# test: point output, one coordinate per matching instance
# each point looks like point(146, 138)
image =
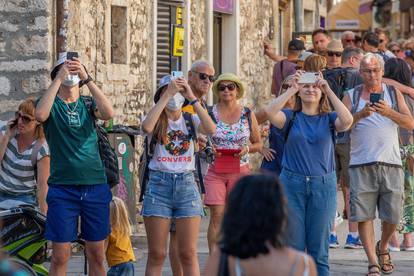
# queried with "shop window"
point(119, 21)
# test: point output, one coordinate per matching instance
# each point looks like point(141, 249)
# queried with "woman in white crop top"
point(171, 192)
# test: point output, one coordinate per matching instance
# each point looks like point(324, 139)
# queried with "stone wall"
point(25, 51)
point(198, 30)
point(127, 85)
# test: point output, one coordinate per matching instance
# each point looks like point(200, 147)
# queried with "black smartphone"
point(375, 98)
point(71, 55)
point(13, 123)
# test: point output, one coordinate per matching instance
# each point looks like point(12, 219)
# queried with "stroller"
point(22, 237)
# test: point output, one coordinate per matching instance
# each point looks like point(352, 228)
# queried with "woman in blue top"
point(308, 167)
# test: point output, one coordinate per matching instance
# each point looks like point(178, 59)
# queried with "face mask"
point(176, 102)
point(71, 80)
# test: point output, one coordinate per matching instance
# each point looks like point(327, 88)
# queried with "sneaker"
point(338, 219)
point(353, 243)
point(333, 241)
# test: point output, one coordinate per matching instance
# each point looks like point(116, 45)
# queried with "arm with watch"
point(104, 109)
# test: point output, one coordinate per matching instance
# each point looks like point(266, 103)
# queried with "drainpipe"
point(62, 16)
point(298, 15)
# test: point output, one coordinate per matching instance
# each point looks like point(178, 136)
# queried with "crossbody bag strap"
point(290, 124)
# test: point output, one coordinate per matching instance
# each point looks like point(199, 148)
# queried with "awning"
point(345, 16)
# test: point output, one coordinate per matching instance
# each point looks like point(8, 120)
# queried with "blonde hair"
point(118, 216)
point(28, 106)
point(314, 63)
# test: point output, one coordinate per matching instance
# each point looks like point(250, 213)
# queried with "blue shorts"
point(172, 195)
point(26, 198)
point(67, 202)
point(124, 269)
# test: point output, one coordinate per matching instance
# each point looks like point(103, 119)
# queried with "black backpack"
point(106, 151)
point(149, 146)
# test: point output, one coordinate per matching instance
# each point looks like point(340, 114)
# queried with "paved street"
point(343, 261)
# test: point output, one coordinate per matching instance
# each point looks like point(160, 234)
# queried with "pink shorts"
point(219, 185)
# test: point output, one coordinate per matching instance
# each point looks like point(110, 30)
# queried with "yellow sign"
point(178, 39)
point(179, 16)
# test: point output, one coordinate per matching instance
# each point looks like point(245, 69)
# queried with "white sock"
point(354, 234)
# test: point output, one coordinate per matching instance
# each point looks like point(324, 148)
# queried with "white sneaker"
point(393, 249)
point(338, 219)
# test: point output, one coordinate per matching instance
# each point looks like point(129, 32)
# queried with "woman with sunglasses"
point(236, 136)
point(24, 156)
point(308, 173)
point(172, 192)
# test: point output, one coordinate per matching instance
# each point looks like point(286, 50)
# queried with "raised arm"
point(344, 120)
point(104, 107)
point(46, 101)
point(403, 88)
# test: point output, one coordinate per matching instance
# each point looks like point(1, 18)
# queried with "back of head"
point(350, 52)
point(314, 63)
point(118, 216)
point(255, 217)
point(371, 39)
point(398, 70)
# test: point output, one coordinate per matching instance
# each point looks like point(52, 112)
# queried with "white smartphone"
point(176, 74)
point(308, 78)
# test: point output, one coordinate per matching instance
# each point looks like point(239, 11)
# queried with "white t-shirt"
point(177, 155)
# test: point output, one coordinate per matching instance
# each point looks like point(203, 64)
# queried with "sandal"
point(388, 262)
point(376, 272)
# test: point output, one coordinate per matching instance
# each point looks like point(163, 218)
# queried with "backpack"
point(149, 147)
point(341, 80)
point(35, 151)
point(106, 151)
point(356, 96)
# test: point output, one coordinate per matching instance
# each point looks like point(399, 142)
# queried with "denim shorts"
point(26, 198)
point(124, 269)
point(66, 203)
point(172, 195)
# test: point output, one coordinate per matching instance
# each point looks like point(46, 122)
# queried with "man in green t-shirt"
point(77, 182)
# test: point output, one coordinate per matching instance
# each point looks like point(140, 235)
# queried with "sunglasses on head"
point(204, 76)
point(25, 118)
point(337, 54)
point(230, 87)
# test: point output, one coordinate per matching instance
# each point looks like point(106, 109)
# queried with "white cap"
point(62, 58)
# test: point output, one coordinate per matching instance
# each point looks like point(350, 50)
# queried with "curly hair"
point(255, 217)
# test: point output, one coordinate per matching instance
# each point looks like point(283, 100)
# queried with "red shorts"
point(219, 185)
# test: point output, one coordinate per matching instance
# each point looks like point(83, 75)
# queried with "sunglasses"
point(369, 71)
point(381, 40)
point(230, 87)
point(25, 118)
point(349, 40)
point(337, 54)
point(204, 76)
point(285, 86)
point(395, 51)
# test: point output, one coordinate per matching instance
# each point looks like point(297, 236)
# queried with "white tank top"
point(374, 138)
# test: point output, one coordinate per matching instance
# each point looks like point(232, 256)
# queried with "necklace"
point(72, 111)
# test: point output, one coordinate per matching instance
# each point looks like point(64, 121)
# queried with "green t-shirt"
point(73, 144)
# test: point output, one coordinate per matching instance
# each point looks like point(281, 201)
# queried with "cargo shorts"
point(376, 186)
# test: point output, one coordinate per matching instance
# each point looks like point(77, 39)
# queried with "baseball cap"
point(296, 45)
point(164, 81)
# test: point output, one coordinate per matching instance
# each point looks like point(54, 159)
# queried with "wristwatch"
point(85, 82)
point(193, 102)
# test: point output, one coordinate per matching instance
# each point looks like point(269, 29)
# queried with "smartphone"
point(308, 78)
point(375, 97)
point(71, 55)
point(13, 123)
point(177, 74)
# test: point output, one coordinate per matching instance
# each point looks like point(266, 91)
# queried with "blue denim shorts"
point(172, 195)
point(66, 203)
point(124, 269)
point(26, 198)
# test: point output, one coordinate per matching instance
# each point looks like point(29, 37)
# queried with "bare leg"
point(95, 251)
point(60, 258)
point(367, 235)
point(187, 236)
point(388, 230)
point(216, 215)
point(157, 234)
point(176, 267)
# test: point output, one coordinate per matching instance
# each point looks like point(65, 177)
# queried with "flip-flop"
point(388, 262)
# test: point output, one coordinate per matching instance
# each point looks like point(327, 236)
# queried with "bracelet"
point(193, 102)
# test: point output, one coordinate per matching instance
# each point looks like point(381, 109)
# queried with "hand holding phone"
point(71, 55)
point(308, 78)
point(176, 74)
point(375, 98)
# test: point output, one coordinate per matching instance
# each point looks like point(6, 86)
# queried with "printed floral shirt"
point(232, 136)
